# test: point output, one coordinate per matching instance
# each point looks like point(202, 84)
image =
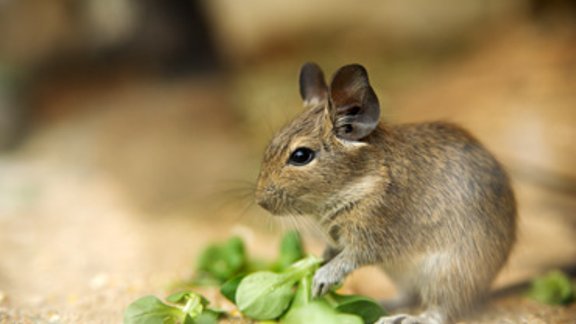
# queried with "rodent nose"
point(263, 203)
point(263, 197)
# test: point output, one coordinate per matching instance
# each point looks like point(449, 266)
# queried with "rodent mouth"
point(271, 205)
point(278, 202)
point(282, 207)
point(271, 199)
point(267, 205)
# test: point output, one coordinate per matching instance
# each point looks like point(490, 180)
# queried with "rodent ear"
point(313, 88)
point(354, 108)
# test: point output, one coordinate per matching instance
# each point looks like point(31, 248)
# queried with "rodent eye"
point(301, 156)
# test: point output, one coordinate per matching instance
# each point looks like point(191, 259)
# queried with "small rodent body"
point(427, 202)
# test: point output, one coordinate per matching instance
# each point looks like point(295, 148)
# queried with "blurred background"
point(131, 131)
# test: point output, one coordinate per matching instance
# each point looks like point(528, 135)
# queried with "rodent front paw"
point(324, 280)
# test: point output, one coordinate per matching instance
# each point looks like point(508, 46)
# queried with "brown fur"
point(438, 212)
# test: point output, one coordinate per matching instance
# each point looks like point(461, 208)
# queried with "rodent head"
point(311, 162)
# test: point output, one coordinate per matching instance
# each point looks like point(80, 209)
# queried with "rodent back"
point(443, 186)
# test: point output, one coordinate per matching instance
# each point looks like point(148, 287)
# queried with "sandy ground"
point(115, 200)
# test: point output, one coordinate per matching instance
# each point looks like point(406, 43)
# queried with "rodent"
point(425, 201)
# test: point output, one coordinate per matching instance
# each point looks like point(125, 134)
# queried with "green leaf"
point(257, 265)
point(368, 309)
point(229, 288)
point(222, 261)
point(208, 317)
point(303, 292)
point(291, 250)
point(179, 297)
point(192, 304)
point(150, 310)
point(318, 312)
point(235, 253)
point(553, 288)
point(264, 295)
point(182, 298)
point(267, 295)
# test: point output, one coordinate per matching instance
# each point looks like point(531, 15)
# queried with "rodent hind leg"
point(402, 300)
point(451, 286)
point(407, 291)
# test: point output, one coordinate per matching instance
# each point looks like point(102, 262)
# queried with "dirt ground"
point(114, 199)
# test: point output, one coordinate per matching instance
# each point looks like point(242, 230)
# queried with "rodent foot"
point(407, 319)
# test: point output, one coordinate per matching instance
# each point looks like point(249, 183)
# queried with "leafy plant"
point(150, 309)
point(220, 262)
point(187, 308)
point(266, 295)
point(228, 289)
point(553, 288)
point(281, 290)
point(332, 308)
point(303, 294)
point(319, 312)
point(291, 250)
point(366, 308)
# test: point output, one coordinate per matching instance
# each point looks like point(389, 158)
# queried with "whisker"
point(236, 192)
point(231, 192)
point(315, 229)
point(243, 211)
point(294, 223)
point(271, 224)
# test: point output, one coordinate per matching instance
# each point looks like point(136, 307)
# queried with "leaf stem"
point(303, 266)
point(330, 300)
point(190, 304)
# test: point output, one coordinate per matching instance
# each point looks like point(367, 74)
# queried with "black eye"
point(301, 156)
